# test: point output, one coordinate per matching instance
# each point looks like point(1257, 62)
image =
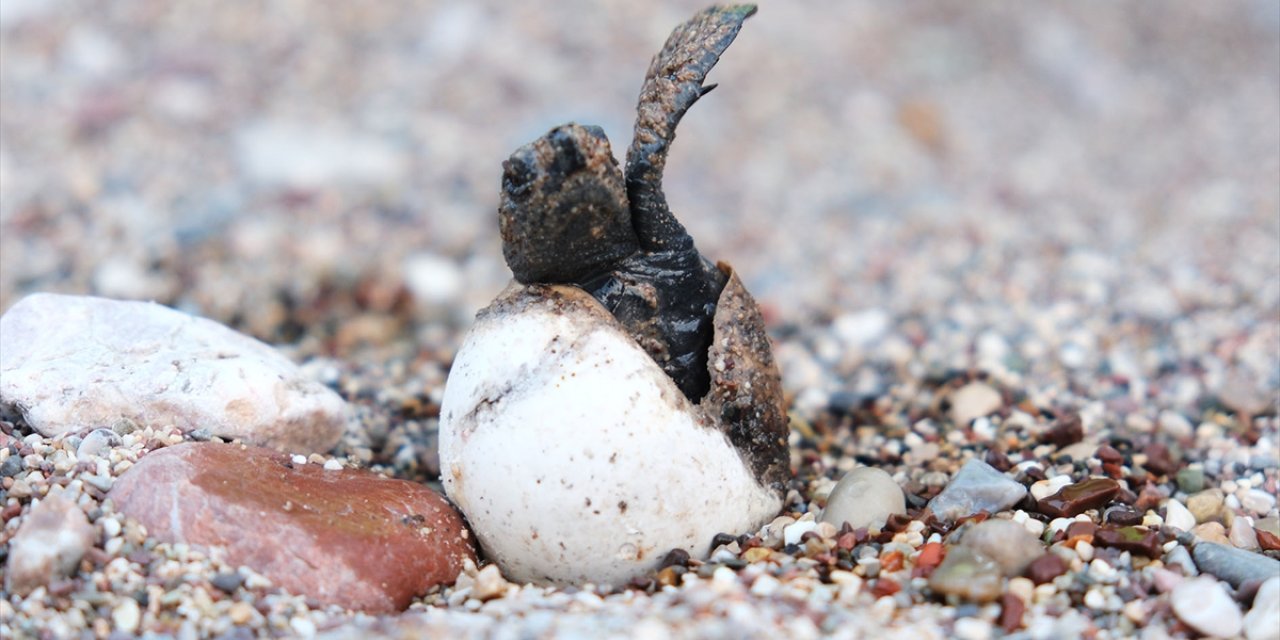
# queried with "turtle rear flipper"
point(671, 86)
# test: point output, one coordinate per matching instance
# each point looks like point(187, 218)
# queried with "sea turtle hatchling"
point(619, 399)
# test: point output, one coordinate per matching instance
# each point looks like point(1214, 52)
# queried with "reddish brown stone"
point(1068, 430)
point(1136, 540)
point(1077, 498)
point(1267, 540)
point(1045, 568)
point(1159, 460)
point(1149, 498)
point(343, 537)
point(885, 587)
point(1108, 455)
point(1011, 609)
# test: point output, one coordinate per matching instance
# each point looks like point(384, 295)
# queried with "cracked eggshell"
point(576, 458)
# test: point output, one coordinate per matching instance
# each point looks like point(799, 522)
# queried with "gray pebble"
point(976, 487)
point(1236, 566)
point(97, 443)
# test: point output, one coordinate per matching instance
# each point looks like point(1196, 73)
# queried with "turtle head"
point(563, 214)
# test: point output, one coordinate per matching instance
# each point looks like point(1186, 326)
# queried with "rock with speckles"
point(346, 537)
point(72, 362)
point(48, 545)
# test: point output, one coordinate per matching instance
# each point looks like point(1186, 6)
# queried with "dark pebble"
point(1068, 430)
point(1159, 460)
point(1236, 566)
point(1135, 540)
point(1077, 498)
point(227, 582)
point(1081, 530)
point(1045, 568)
point(1122, 515)
point(998, 460)
point(1108, 455)
point(675, 557)
point(11, 466)
point(1267, 540)
point(1149, 498)
point(721, 539)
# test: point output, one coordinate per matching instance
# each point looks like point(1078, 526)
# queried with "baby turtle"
point(569, 215)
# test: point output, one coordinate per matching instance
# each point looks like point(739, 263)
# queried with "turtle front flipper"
point(672, 84)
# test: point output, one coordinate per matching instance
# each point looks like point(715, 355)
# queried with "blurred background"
point(329, 171)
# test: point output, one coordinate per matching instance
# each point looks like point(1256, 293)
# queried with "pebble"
point(1263, 620)
point(73, 361)
point(1077, 498)
point(974, 400)
point(279, 519)
point(1211, 532)
point(1177, 516)
point(864, 497)
point(1258, 501)
point(49, 544)
point(967, 575)
point(1005, 542)
point(1135, 540)
point(793, 532)
point(1204, 605)
point(97, 443)
point(1190, 480)
point(1045, 568)
point(977, 486)
point(1206, 505)
point(1235, 566)
point(126, 616)
point(1242, 535)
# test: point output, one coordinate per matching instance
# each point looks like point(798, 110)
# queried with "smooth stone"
point(1077, 498)
point(1005, 542)
point(1204, 605)
point(70, 362)
point(1135, 540)
point(1257, 501)
point(1236, 566)
point(49, 544)
point(97, 444)
point(1177, 516)
point(345, 537)
point(1263, 620)
point(1181, 558)
point(972, 401)
point(967, 575)
point(1211, 532)
point(1190, 480)
point(864, 497)
point(1206, 505)
point(977, 486)
point(1242, 535)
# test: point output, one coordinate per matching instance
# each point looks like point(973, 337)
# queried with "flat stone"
point(68, 363)
point(48, 545)
point(1045, 568)
point(1135, 540)
point(972, 401)
point(1005, 542)
point(1205, 606)
point(864, 497)
point(346, 537)
point(967, 575)
point(1263, 620)
point(1077, 498)
point(1236, 566)
point(977, 486)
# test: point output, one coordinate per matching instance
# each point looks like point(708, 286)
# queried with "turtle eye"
point(518, 174)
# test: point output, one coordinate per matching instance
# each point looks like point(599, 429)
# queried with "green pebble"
point(1191, 480)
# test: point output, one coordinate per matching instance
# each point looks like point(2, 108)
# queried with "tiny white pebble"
point(972, 629)
point(1084, 550)
point(298, 459)
point(303, 626)
point(332, 465)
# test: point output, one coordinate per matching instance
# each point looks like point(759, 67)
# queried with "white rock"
point(1177, 516)
point(297, 155)
point(575, 457)
point(1205, 606)
point(48, 545)
point(1242, 534)
point(1257, 501)
point(795, 531)
point(863, 328)
point(1263, 620)
point(70, 362)
point(974, 400)
point(126, 616)
point(864, 497)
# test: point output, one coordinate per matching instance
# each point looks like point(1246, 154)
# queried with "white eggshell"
point(573, 455)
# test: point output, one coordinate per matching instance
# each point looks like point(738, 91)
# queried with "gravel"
point(1072, 205)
